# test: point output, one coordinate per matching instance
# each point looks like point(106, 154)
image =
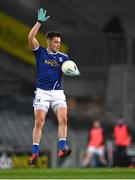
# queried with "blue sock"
point(35, 149)
point(62, 143)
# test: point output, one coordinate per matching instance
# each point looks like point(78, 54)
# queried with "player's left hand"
point(42, 15)
point(72, 73)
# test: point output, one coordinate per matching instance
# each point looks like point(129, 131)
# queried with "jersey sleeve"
point(65, 58)
point(37, 52)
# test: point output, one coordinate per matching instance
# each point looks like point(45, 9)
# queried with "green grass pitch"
point(69, 173)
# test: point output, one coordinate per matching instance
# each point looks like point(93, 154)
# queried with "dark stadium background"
point(100, 37)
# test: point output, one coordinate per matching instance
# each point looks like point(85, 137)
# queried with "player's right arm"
point(33, 42)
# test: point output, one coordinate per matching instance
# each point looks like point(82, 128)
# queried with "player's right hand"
point(42, 15)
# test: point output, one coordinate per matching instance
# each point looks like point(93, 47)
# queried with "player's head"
point(96, 124)
point(53, 41)
point(120, 120)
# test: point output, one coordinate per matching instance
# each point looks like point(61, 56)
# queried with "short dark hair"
point(52, 34)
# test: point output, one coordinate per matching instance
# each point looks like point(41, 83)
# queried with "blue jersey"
point(49, 74)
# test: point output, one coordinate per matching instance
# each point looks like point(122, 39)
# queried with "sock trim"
point(36, 144)
point(62, 139)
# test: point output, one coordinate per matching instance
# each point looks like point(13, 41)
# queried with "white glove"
point(71, 72)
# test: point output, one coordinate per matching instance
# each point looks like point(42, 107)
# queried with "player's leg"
point(39, 123)
point(64, 149)
point(59, 107)
point(89, 155)
point(102, 160)
point(87, 159)
point(37, 133)
point(41, 105)
point(100, 152)
point(61, 115)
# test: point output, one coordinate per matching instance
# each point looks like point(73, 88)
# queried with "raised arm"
point(33, 42)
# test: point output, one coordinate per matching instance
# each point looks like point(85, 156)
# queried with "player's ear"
point(48, 42)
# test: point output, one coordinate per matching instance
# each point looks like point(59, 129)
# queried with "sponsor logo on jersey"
point(52, 62)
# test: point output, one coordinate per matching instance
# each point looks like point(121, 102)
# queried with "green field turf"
point(75, 173)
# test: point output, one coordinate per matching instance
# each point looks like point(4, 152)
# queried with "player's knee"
point(63, 120)
point(39, 122)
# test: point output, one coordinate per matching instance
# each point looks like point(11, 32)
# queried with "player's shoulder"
point(62, 54)
point(43, 48)
point(39, 48)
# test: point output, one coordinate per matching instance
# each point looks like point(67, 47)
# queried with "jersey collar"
point(51, 52)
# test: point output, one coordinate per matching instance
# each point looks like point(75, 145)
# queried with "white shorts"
point(44, 98)
point(99, 151)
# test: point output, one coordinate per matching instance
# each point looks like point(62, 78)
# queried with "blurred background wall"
point(100, 37)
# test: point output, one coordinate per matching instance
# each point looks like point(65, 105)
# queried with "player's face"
point(96, 124)
point(54, 44)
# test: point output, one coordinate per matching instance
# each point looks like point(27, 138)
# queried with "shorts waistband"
point(52, 90)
